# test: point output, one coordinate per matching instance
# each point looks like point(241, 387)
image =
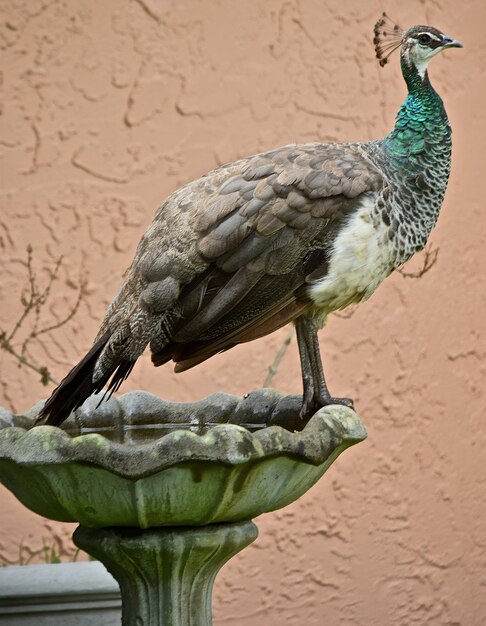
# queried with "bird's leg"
point(316, 394)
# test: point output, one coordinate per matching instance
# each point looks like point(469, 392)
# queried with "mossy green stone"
point(227, 474)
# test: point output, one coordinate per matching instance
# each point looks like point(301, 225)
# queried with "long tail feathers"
point(78, 385)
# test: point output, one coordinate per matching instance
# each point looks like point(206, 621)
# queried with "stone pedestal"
point(164, 491)
point(166, 575)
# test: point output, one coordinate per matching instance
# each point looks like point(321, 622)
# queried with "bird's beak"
point(448, 42)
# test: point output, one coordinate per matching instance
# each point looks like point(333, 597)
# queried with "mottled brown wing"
point(258, 229)
point(225, 260)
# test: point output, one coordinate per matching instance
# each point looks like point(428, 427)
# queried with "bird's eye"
point(425, 39)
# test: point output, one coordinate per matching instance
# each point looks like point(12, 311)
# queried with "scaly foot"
point(312, 405)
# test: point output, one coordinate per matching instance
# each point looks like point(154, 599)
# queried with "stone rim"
point(228, 444)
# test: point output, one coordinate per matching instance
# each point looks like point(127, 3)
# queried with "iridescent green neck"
point(421, 116)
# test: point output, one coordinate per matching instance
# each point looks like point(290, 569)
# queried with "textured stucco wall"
point(109, 106)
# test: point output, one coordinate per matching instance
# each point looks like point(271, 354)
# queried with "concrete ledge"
point(71, 594)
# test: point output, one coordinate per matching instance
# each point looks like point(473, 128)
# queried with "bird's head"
point(417, 44)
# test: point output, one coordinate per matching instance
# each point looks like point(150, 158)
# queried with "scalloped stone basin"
point(142, 462)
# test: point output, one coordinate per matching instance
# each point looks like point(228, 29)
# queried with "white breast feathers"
point(360, 260)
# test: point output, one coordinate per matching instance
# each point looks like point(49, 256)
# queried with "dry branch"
point(273, 369)
point(430, 259)
point(33, 301)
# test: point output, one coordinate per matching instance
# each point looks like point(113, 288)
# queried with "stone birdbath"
point(164, 493)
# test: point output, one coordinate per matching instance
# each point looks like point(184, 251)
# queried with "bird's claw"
point(309, 408)
point(343, 401)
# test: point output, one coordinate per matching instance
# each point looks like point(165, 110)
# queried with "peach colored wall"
point(107, 107)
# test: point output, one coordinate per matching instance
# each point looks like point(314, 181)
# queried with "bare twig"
point(64, 320)
point(26, 303)
point(273, 369)
point(430, 259)
point(33, 303)
point(46, 377)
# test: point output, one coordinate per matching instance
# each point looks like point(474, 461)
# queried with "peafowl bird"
point(289, 235)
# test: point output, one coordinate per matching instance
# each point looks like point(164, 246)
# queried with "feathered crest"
point(388, 37)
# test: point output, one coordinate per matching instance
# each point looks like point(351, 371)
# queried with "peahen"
point(287, 235)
